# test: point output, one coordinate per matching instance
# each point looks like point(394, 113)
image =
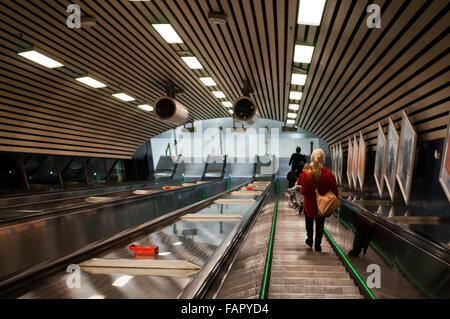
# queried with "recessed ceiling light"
point(231, 111)
point(294, 95)
point(294, 107)
point(219, 94)
point(168, 33)
point(122, 281)
point(290, 122)
point(146, 107)
point(310, 12)
point(41, 59)
point(292, 115)
point(208, 81)
point(298, 79)
point(303, 53)
point(124, 97)
point(192, 62)
point(91, 82)
point(227, 104)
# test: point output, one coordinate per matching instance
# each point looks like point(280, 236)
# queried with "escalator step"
point(309, 296)
point(313, 290)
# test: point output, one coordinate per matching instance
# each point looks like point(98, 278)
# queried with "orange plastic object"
point(249, 188)
point(144, 250)
point(167, 187)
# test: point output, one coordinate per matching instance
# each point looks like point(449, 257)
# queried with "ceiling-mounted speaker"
point(170, 110)
point(245, 110)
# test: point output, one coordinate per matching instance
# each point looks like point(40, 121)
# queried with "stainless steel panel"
point(31, 246)
point(195, 242)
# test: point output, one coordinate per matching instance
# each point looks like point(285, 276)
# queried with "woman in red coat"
point(322, 179)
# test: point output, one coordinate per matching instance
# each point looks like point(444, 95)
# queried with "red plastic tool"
point(144, 250)
point(249, 188)
point(167, 187)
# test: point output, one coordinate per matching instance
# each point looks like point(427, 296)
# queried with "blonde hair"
point(307, 167)
point(317, 160)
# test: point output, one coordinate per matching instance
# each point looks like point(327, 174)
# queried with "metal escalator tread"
point(298, 272)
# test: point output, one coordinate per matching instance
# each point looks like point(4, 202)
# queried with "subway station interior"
point(145, 149)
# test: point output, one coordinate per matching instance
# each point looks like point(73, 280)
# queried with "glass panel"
point(115, 172)
point(95, 170)
point(71, 171)
point(41, 171)
point(11, 177)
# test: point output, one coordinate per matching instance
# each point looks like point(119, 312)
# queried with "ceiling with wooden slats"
point(357, 77)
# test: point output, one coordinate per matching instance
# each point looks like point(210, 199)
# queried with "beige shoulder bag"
point(327, 204)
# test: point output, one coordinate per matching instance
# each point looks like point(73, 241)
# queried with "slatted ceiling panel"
point(417, 82)
point(358, 76)
point(394, 68)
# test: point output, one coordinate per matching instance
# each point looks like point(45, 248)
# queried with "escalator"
point(199, 234)
point(363, 256)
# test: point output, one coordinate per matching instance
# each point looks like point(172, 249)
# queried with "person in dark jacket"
point(322, 179)
point(292, 177)
point(296, 160)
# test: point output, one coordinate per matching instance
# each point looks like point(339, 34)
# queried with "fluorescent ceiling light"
point(290, 122)
point(146, 107)
point(168, 33)
point(294, 95)
point(303, 53)
point(310, 12)
point(122, 281)
point(292, 115)
point(192, 62)
point(219, 94)
point(208, 81)
point(91, 82)
point(231, 111)
point(124, 97)
point(41, 59)
point(294, 107)
point(298, 79)
point(227, 104)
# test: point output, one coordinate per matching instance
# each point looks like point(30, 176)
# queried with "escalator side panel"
point(31, 246)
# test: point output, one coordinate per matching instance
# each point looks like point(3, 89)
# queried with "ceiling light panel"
point(227, 104)
point(168, 33)
point(290, 122)
point(310, 12)
point(192, 62)
point(292, 115)
point(208, 81)
point(294, 107)
point(146, 107)
point(303, 53)
point(91, 82)
point(124, 97)
point(219, 94)
point(298, 79)
point(41, 59)
point(294, 95)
